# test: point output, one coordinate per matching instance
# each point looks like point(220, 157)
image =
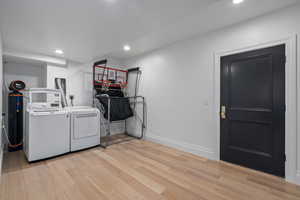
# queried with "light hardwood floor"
point(137, 170)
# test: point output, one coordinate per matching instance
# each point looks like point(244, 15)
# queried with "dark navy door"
point(253, 109)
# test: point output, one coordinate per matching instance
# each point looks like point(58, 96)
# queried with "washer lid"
point(82, 109)
point(45, 113)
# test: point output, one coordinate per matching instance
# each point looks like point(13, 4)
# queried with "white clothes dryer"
point(84, 127)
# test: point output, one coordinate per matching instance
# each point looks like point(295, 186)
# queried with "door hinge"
point(284, 157)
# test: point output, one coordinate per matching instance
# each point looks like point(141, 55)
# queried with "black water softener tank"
point(15, 115)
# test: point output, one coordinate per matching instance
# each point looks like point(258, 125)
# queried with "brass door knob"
point(223, 112)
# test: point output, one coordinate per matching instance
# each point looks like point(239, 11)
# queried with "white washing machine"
point(47, 126)
point(47, 134)
point(85, 127)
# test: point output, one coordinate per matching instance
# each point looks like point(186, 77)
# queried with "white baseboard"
point(1, 159)
point(187, 147)
point(298, 177)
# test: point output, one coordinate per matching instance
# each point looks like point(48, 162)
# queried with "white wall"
point(80, 83)
point(77, 81)
point(177, 81)
point(54, 71)
point(1, 74)
point(31, 73)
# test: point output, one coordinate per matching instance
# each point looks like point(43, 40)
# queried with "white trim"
point(187, 147)
point(1, 148)
point(291, 98)
point(298, 177)
point(1, 161)
point(35, 57)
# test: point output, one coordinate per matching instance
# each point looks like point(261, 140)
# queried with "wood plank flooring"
point(137, 170)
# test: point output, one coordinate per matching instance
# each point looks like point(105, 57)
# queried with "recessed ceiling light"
point(127, 48)
point(59, 51)
point(237, 1)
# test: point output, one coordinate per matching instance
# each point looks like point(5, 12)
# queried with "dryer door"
point(85, 125)
point(85, 128)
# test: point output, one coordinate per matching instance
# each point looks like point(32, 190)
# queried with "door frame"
point(290, 96)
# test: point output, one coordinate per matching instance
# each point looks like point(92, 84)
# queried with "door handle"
point(223, 112)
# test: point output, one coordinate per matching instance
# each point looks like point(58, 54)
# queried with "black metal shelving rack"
point(134, 101)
